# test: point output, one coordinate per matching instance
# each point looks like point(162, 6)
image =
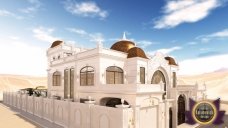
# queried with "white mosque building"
point(147, 84)
point(117, 87)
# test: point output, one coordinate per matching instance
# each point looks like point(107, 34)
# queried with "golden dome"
point(136, 52)
point(123, 45)
point(56, 43)
point(171, 61)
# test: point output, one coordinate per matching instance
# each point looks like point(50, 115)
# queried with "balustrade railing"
point(67, 113)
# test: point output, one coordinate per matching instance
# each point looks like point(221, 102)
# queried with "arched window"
point(114, 75)
point(56, 78)
point(87, 76)
point(157, 78)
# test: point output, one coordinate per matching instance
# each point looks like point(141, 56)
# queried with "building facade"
point(147, 84)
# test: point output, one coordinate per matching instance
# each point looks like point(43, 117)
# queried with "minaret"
point(99, 44)
point(124, 36)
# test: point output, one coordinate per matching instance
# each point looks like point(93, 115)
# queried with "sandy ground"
point(1, 96)
point(224, 107)
point(216, 83)
point(15, 82)
point(11, 119)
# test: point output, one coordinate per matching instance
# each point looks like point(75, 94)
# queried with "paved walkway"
point(12, 119)
point(187, 126)
point(224, 125)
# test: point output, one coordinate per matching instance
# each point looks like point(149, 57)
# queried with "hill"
point(217, 83)
point(15, 82)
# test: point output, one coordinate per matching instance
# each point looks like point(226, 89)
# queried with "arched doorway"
point(181, 109)
point(158, 77)
point(112, 102)
point(170, 118)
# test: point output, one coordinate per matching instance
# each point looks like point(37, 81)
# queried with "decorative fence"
point(70, 114)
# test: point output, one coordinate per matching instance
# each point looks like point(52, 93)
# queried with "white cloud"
point(177, 12)
point(5, 13)
point(217, 35)
point(9, 14)
point(20, 58)
point(192, 43)
point(34, 6)
point(77, 31)
point(93, 37)
point(203, 65)
point(169, 50)
point(14, 37)
point(85, 9)
point(44, 34)
point(205, 49)
point(96, 37)
point(220, 34)
point(164, 50)
point(145, 43)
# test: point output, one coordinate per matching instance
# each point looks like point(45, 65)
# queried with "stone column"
point(136, 115)
point(175, 114)
point(42, 107)
point(52, 108)
point(69, 113)
point(166, 114)
point(159, 115)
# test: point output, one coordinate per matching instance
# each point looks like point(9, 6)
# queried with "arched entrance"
point(111, 102)
point(181, 109)
point(170, 117)
point(158, 77)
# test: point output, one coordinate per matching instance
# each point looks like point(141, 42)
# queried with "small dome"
point(123, 45)
point(56, 43)
point(171, 61)
point(136, 52)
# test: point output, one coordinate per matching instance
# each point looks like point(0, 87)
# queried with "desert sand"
point(15, 82)
point(216, 83)
point(12, 119)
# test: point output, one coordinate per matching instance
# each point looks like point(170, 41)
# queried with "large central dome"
point(56, 43)
point(123, 45)
point(128, 47)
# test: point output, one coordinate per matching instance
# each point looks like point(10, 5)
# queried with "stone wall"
point(70, 114)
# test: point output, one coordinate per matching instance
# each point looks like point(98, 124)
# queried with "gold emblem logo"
point(204, 112)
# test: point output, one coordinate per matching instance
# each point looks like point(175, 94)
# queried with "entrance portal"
point(170, 118)
point(181, 109)
point(158, 77)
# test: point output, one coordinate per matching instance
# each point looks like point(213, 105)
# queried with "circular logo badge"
point(204, 112)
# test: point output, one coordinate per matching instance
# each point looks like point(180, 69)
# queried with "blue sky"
point(195, 32)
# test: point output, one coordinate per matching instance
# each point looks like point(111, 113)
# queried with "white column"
point(69, 113)
point(136, 116)
point(175, 114)
point(159, 115)
point(68, 84)
point(166, 114)
point(52, 110)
